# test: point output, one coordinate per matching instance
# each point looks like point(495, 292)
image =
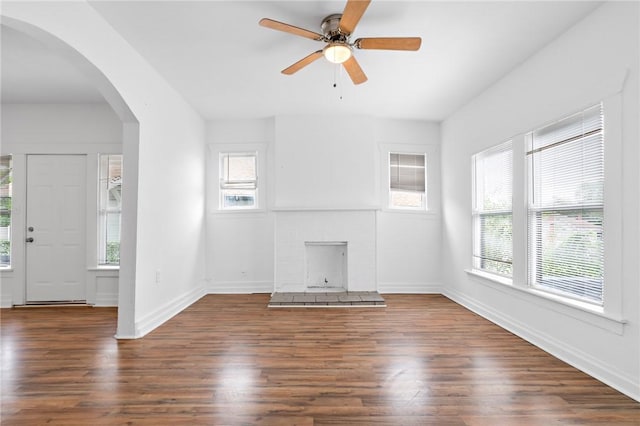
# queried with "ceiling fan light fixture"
point(337, 53)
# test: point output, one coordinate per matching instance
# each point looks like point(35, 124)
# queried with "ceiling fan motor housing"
point(331, 29)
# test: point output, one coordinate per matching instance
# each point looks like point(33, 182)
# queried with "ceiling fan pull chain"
point(337, 79)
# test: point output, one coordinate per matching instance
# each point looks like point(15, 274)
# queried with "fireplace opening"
point(326, 266)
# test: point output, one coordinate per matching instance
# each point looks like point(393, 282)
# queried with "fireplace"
point(312, 246)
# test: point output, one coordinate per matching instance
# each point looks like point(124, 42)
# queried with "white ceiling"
point(227, 66)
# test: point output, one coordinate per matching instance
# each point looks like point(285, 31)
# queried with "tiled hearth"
point(327, 300)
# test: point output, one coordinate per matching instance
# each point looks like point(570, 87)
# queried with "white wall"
point(240, 244)
point(323, 168)
point(163, 148)
point(90, 129)
point(591, 62)
point(408, 247)
point(325, 162)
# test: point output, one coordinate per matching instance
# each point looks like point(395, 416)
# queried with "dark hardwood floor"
point(229, 360)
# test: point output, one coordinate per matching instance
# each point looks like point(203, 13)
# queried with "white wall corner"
point(240, 287)
point(165, 312)
point(607, 374)
point(410, 288)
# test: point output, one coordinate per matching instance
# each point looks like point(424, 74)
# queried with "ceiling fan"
point(336, 32)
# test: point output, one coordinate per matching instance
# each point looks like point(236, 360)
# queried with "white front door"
point(56, 210)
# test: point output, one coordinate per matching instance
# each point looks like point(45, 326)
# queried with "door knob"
point(29, 240)
point(30, 229)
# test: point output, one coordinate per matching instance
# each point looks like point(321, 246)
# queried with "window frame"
point(424, 205)
point(477, 213)
point(105, 211)
point(536, 210)
point(610, 315)
point(9, 227)
point(222, 156)
point(259, 149)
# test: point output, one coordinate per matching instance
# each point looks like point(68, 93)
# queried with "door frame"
point(15, 276)
point(84, 209)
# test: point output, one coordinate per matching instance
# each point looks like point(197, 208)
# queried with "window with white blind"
point(238, 180)
point(110, 211)
point(492, 214)
point(5, 210)
point(407, 181)
point(566, 206)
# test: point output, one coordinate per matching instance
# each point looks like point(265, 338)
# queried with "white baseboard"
point(240, 287)
point(409, 288)
point(572, 356)
point(104, 300)
point(164, 313)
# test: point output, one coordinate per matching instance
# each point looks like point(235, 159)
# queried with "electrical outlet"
point(157, 276)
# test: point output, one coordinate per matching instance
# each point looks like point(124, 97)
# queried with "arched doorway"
point(129, 139)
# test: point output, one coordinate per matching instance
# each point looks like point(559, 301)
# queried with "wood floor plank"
point(229, 360)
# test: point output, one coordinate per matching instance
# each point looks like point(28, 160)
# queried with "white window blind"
point(406, 172)
point(407, 181)
point(566, 206)
point(492, 212)
point(238, 180)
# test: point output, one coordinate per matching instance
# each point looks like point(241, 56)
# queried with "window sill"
point(239, 212)
point(105, 268)
point(6, 269)
point(491, 277)
point(323, 209)
point(424, 213)
point(584, 312)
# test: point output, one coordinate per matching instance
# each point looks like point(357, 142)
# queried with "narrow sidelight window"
point(5, 210)
point(110, 211)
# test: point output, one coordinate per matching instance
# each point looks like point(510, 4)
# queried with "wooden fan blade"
point(302, 63)
point(389, 43)
point(281, 26)
point(351, 15)
point(355, 72)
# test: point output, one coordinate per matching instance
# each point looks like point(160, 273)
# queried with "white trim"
point(433, 180)
point(213, 176)
point(490, 276)
point(240, 287)
point(409, 288)
point(104, 300)
point(607, 374)
point(164, 313)
point(324, 209)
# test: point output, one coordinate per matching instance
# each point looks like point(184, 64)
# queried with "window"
point(566, 206)
point(492, 215)
point(407, 178)
point(238, 181)
point(5, 210)
point(110, 211)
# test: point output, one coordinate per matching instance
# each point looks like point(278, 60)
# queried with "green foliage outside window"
point(496, 243)
point(574, 251)
point(113, 253)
